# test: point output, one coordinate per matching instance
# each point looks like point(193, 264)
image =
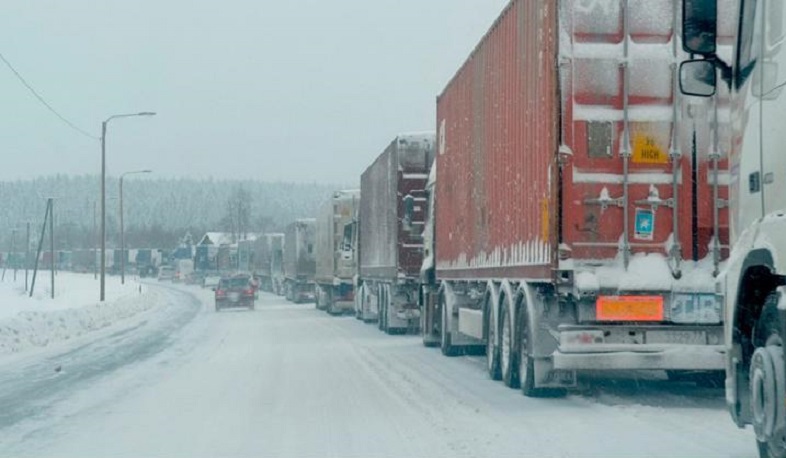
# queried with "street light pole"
point(103, 194)
point(122, 230)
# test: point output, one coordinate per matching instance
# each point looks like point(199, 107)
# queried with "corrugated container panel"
point(498, 142)
point(387, 248)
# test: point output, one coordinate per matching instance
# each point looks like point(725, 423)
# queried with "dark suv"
point(236, 291)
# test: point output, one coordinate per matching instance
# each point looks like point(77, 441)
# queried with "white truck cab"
point(751, 79)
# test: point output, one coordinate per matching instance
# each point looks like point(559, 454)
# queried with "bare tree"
point(237, 219)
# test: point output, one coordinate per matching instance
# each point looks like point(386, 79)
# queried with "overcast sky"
point(306, 90)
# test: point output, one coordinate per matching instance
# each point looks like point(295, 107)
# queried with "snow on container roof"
point(426, 138)
point(347, 194)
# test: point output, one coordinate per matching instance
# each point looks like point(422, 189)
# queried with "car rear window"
point(234, 282)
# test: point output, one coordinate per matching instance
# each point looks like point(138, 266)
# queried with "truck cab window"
point(749, 48)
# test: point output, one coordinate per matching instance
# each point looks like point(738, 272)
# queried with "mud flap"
point(548, 377)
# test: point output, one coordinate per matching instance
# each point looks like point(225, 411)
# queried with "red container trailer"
point(392, 212)
point(573, 222)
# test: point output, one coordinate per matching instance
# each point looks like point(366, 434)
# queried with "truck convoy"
point(268, 261)
point(299, 260)
point(576, 218)
point(392, 212)
point(740, 72)
point(335, 257)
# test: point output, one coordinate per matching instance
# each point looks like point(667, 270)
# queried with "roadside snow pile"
point(27, 323)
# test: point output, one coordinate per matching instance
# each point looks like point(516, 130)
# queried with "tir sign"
point(645, 224)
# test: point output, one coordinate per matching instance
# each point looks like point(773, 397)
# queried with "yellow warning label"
point(646, 150)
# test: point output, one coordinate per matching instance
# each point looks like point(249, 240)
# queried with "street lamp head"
point(147, 113)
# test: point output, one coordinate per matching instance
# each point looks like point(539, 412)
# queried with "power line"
point(44, 102)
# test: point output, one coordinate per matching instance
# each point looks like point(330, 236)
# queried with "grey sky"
point(308, 90)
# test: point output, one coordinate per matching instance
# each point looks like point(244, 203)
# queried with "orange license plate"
point(629, 308)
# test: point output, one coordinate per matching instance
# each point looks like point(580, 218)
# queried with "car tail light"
point(248, 291)
point(220, 292)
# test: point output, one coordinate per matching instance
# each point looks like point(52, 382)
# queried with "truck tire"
point(330, 302)
point(527, 363)
point(430, 338)
point(768, 383)
point(382, 323)
point(492, 345)
point(359, 294)
point(445, 343)
point(508, 357)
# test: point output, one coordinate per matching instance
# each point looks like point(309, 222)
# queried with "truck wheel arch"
point(527, 301)
point(491, 302)
point(756, 283)
point(449, 300)
point(524, 304)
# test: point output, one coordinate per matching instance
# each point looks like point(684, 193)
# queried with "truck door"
point(639, 178)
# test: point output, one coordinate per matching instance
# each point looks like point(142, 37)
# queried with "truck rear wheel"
point(445, 343)
point(381, 309)
point(767, 377)
point(430, 337)
point(492, 344)
point(527, 364)
point(359, 296)
point(508, 357)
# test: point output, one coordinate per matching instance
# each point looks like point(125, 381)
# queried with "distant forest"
point(158, 212)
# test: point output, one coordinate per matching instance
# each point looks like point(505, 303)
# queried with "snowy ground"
point(37, 322)
point(287, 380)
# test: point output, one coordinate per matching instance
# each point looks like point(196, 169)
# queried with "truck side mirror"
point(699, 26)
point(698, 78)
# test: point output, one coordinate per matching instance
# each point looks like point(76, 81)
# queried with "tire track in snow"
point(29, 390)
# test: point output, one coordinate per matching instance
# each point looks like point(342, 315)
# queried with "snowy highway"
point(288, 380)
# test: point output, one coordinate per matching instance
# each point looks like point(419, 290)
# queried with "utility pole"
point(13, 249)
point(123, 253)
point(27, 254)
point(52, 241)
point(8, 258)
point(103, 208)
point(122, 238)
point(95, 240)
point(40, 246)
point(103, 193)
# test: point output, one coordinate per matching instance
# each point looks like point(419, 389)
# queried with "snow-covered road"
point(287, 380)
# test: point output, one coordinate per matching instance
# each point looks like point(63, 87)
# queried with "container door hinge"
point(605, 200)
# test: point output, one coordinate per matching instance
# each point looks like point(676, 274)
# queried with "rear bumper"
point(240, 303)
point(344, 305)
point(643, 357)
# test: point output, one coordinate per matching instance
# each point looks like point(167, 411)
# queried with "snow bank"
point(27, 323)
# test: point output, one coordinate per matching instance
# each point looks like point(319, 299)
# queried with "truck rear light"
point(629, 308)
